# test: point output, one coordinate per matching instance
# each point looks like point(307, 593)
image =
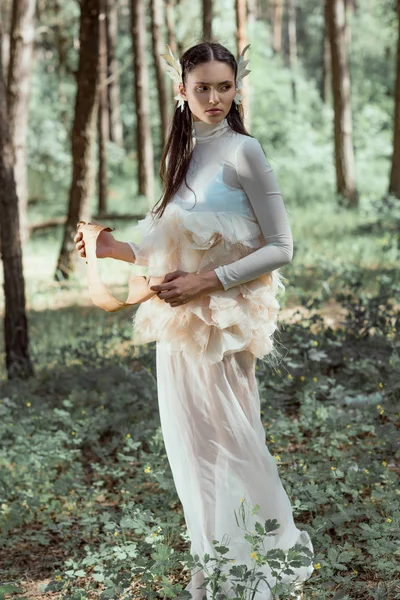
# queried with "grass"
point(88, 508)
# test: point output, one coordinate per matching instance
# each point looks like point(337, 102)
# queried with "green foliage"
point(83, 466)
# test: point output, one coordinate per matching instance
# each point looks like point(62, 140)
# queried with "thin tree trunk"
point(103, 129)
point(144, 146)
point(292, 43)
point(252, 11)
point(18, 363)
point(18, 91)
point(277, 18)
point(157, 19)
point(115, 126)
point(179, 42)
point(394, 185)
point(207, 19)
point(326, 81)
point(170, 23)
point(82, 133)
point(5, 16)
point(341, 90)
point(241, 42)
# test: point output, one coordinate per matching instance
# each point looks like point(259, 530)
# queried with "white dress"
point(207, 348)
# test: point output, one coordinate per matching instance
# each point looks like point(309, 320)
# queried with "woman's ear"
point(182, 90)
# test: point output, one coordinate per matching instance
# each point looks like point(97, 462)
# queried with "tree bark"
point(115, 125)
point(103, 123)
point(144, 146)
point(18, 363)
point(277, 18)
point(292, 43)
point(18, 92)
point(158, 48)
point(326, 82)
point(5, 17)
point(207, 19)
point(252, 11)
point(341, 91)
point(170, 22)
point(241, 42)
point(82, 134)
point(394, 185)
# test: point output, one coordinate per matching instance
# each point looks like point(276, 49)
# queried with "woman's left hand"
point(179, 287)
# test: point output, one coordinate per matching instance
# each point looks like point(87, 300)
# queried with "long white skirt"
point(215, 443)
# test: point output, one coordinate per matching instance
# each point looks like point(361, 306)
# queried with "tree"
point(18, 363)
point(241, 42)
point(291, 54)
point(326, 81)
point(207, 19)
point(18, 91)
point(341, 91)
point(115, 125)
point(277, 18)
point(144, 146)
point(170, 22)
point(82, 133)
point(158, 48)
point(103, 116)
point(394, 184)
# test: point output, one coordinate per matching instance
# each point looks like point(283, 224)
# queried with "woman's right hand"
point(104, 244)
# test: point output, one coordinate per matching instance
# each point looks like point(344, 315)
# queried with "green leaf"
point(9, 588)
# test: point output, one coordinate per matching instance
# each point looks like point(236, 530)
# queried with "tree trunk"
point(103, 129)
point(158, 48)
point(82, 133)
point(18, 91)
point(241, 42)
point(292, 43)
point(115, 125)
point(207, 19)
point(170, 22)
point(277, 18)
point(179, 43)
point(394, 185)
point(326, 82)
point(5, 17)
point(252, 11)
point(341, 91)
point(144, 146)
point(18, 363)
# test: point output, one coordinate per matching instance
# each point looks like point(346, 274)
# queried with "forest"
point(88, 505)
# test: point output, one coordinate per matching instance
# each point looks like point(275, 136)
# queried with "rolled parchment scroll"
point(139, 285)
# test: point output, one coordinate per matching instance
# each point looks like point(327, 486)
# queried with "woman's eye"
point(224, 88)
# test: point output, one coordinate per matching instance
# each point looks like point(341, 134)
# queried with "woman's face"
point(209, 85)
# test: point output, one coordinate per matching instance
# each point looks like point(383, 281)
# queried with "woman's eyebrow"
point(207, 83)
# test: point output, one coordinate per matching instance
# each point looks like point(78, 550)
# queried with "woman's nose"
point(214, 97)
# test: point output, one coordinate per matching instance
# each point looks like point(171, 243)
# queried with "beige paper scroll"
point(139, 286)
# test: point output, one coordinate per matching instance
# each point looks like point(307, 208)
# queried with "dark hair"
point(179, 147)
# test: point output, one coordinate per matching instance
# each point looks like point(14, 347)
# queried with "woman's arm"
point(107, 247)
point(258, 181)
point(123, 251)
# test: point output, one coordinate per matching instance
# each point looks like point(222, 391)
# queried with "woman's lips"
point(214, 110)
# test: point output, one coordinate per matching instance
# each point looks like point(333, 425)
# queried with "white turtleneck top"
point(228, 171)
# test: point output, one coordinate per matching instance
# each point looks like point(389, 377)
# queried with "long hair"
point(179, 146)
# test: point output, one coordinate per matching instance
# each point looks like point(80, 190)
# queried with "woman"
point(218, 237)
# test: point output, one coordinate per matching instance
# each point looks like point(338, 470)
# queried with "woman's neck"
point(205, 132)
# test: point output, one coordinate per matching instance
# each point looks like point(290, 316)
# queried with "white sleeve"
point(142, 250)
point(258, 181)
